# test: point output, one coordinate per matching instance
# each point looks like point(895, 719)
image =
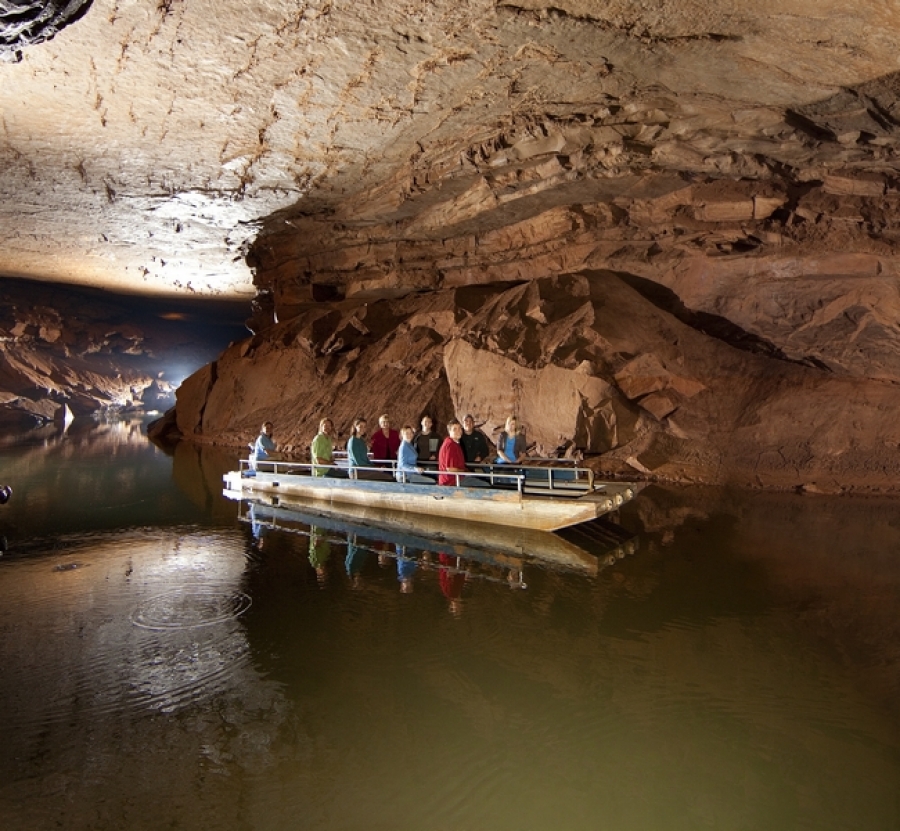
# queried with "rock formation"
point(663, 232)
point(26, 22)
point(67, 353)
point(588, 362)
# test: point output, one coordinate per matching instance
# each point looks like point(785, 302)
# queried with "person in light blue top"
point(408, 469)
point(264, 446)
point(510, 444)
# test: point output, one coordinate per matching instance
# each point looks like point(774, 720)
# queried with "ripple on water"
point(190, 608)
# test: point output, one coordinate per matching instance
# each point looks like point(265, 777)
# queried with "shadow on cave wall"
point(714, 326)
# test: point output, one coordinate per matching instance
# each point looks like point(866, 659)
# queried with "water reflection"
point(197, 667)
point(498, 555)
point(104, 475)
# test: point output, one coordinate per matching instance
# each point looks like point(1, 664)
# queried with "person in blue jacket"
point(511, 447)
point(264, 446)
point(408, 469)
point(358, 454)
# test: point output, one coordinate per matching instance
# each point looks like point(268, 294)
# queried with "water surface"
point(166, 664)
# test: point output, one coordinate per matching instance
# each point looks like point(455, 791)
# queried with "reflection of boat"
point(597, 544)
point(544, 498)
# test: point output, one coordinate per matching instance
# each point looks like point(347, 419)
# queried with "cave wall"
point(586, 361)
point(438, 205)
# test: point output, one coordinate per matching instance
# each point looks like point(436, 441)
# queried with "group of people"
point(406, 454)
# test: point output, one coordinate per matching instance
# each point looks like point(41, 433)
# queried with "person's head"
point(469, 423)
point(268, 427)
point(512, 426)
point(427, 424)
point(384, 421)
point(359, 427)
point(326, 426)
point(454, 429)
point(407, 432)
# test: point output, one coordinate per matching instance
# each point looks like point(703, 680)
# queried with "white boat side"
point(538, 505)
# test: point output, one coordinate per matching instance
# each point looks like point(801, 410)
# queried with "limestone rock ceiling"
point(380, 146)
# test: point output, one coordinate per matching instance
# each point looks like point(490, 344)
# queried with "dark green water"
point(162, 667)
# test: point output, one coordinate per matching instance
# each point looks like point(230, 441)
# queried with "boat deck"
point(541, 498)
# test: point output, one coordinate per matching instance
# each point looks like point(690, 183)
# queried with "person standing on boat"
point(474, 442)
point(358, 454)
point(264, 446)
point(427, 442)
point(407, 459)
point(386, 441)
point(322, 451)
point(452, 462)
point(511, 445)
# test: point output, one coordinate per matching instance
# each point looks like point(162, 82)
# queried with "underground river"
point(171, 661)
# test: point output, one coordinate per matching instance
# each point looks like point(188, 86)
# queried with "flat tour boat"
point(540, 497)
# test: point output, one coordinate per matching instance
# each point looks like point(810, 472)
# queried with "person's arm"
point(521, 446)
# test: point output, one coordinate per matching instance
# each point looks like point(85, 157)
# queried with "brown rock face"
point(586, 361)
point(662, 232)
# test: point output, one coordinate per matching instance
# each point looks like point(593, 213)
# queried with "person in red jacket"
point(451, 460)
point(385, 442)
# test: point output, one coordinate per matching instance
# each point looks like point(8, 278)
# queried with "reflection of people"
point(322, 450)
point(452, 578)
point(451, 460)
point(406, 568)
point(319, 551)
point(264, 446)
point(510, 444)
point(355, 561)
point(427, 442)
point(386, 441)
point(474, 442)
point(407, 458)
point(258, 527)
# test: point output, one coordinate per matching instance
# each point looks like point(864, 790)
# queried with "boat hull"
point(499, 545)
point(482, 505)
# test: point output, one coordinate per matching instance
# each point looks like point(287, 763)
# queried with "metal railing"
point(533, 478)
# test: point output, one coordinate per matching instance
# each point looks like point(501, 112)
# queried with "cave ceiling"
point(152, 145)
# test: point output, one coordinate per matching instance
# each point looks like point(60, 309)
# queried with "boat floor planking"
point(503, 546)
point(487, 506)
